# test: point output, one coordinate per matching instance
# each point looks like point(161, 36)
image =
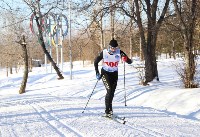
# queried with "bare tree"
point(9, 49)
point(149, 32)
point(187, 15)
point(39, 18)
point(101, 26)
point(23, 44)
point(112, 17)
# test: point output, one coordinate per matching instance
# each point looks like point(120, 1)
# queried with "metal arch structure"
point(59, 31)
point(52, 28)
point(49, 21)
point(59, 28)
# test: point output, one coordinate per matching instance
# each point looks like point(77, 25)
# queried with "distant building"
point(36, 63)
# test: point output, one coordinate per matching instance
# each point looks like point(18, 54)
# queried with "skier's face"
point(113, 49)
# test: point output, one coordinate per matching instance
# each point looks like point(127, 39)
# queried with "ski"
point(116, 118)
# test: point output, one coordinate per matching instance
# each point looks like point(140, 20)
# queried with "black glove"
point(98, 76)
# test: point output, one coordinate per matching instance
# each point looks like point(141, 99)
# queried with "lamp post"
point(70, 46)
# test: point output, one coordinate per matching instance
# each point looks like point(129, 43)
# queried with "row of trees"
point(145, 28)
point(179, 18)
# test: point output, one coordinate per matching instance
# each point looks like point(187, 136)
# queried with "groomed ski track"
point(52, 108)
point(55, 121)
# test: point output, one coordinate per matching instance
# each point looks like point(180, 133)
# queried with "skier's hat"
point(113, 43)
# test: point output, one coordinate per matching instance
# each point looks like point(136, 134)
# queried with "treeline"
point(142, 28)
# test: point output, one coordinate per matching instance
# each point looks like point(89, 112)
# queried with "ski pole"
point(90, 96)
point(124, 85)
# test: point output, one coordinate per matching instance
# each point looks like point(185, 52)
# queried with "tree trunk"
point(11, 72)
point(173, 49)
point(46, 51)
point(101, 27)
point(189, 67)
point(30, 65)
point(150, 58)
point(187, 30)
point(50, 58)
point(149, 45)
point(112, 14)
point(7, 69)
point(41, 40)
point(141, 51)
point(131, 38)
point(25, 77)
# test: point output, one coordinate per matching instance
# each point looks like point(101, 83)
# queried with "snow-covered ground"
point(55, 108)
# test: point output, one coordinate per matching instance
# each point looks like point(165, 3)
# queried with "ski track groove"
point(137, 127)
point(145, 129)
point(59, 126)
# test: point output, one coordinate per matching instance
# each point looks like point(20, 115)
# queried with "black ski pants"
point(110, 82)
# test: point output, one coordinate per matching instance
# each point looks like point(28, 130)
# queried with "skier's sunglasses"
point(114, 48)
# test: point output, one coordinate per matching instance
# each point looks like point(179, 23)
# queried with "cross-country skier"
point(109, 72)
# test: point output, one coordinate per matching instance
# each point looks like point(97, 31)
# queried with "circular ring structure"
point(62, 26)
point(31, 24)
